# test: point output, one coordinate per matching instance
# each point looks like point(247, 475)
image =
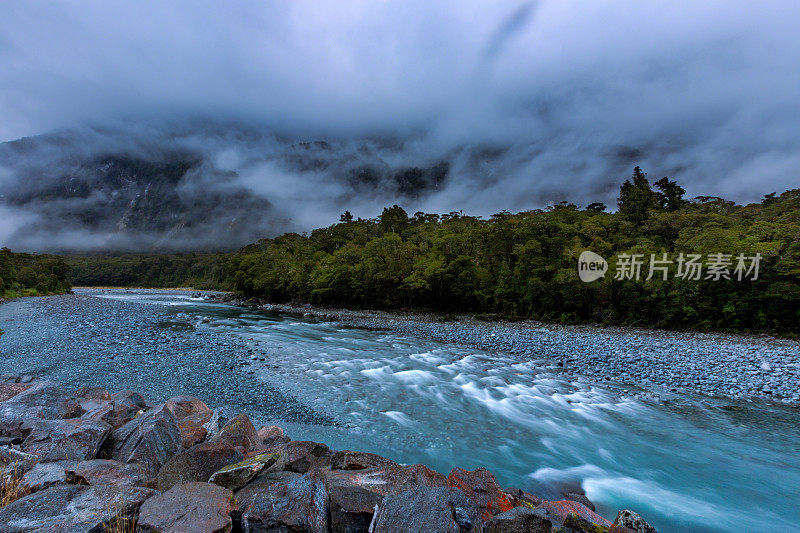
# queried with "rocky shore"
point(92, 461)
point(648, 364)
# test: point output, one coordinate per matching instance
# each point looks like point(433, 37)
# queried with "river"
point(689, 465)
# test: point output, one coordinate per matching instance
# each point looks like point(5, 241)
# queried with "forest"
point(24, 274)
point(522, 265)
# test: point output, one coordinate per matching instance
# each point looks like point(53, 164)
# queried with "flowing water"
point(690, 465)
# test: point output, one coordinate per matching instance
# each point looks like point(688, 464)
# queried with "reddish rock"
point(434, 509)
point(67, 508)
point(521, 519)
point(151, 440)
point(125, 406)
point(239, 432)
point(56, 440)
point(272, 435)
point(349, 460)
point(559, 510)
point(520, 497)
point(284, 501)
point(107, 472)
point(197, 463)
point(481, 487)
point(43, 400)
point(191, 507)
point(93, 393)
point(191, 415)
point(9, 390)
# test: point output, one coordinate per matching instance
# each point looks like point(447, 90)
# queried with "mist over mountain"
point(205, 126)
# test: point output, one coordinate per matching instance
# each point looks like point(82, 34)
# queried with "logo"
point(591, 266)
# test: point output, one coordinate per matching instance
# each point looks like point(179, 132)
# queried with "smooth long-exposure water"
point(687, 466)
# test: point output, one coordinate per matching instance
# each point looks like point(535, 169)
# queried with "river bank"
point(91, 460)
point(654, 363)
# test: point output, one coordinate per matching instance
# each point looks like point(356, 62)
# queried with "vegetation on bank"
point(196, 270)
point(520, 264)
point(525, 264)
point(24, 274)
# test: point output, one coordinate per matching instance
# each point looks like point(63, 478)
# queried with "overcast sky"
point(575, 91)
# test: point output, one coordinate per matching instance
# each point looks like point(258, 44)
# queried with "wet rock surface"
point(282, 485)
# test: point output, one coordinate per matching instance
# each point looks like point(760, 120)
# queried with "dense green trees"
point(31, 274)
point(525, 264)
point(198, 270)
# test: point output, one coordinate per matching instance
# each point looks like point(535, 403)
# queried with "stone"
point(521, 519)
point(237, 475)
point(197, 463)
point(520, 497)
point(57, 440)
point(71, 508)
point(239, 431)
point(107, 472)
point(191, 416)
point(151, 439)
point(558, 511)
point(9, 390)
point(301, 455)
point(430, 509)
point(124, 407)
point(219, 417)
point(15, 462)
point(632, 520)
point(45, 475)
point(481, 487)
point(192, 507)
point(93, 393)
point(352, 504)
point(350, 460)
point(284, 501)
point(272, 435)
point(42, 400)
point(579, 497)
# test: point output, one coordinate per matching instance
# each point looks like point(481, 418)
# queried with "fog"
point(311, 108)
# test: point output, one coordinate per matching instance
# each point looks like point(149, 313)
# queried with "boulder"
point(192, 507)
point(16, 463)
point(349, 460)
point(237, 475)
point(191, 415)
point(42, 400)
point(72, 508)
point(632, 520)
point(558, 511)
point(45, 475)
point(481, 487)
point(219, 417)
point(151, 439)
point(430, 509)
point(520, 497)
point(301, 455)
point(93, 393)
point(57, 440)
point(123, 407)
point(521, 519)
point(580, 497)
point(197, 463)
point(284, 501)
point(9, 390)
point(239, 432)
point(352, 503)
point(107, 472)
point(272, 435)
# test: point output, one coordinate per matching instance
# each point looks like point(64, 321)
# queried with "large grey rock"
point(43, 400)
point(219, 417)
point(520, 519)
point(71, 508)
point(284, 501)
point(56, 440)
point(430, 509)
point(237, 475)
point(301, 455)
point(16, 463)
point(197, 463)
point(191, 507)
point(350, 460)
point(151, 440)
point(107, 472)
point(43, 476)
